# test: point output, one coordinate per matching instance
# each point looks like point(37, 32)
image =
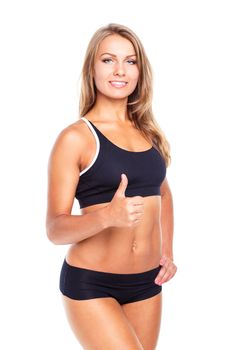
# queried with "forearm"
point(68, 229)
point(167, 224)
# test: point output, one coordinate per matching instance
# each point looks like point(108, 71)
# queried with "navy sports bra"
point(98, 182)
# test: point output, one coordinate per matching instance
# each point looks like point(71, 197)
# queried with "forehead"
point(117, 45)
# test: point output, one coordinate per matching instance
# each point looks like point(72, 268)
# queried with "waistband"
point(148, 275)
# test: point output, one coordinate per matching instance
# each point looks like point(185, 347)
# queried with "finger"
point(137, 212)
point(122, 186)
point(160, 280)
point(167, 276)
point(136, 200)
point(170, 272)
point(163, 269)
point(136, 217)
point(160, 274)
point(136, 209)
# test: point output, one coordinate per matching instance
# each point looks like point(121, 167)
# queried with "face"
point(116, 71)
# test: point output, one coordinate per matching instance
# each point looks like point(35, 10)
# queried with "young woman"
point(113, 160)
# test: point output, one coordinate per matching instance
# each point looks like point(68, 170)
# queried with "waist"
point(127, 253)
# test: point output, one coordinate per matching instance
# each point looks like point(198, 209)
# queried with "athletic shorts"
point(82, 284)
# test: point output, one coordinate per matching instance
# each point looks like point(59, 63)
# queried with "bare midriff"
point(122, 249)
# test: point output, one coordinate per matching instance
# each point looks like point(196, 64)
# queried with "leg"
point(100, 323)
point(145, 317)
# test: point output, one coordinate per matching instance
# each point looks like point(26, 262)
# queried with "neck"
point(109, 109)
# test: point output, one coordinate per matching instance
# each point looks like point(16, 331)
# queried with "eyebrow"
point(108, 53)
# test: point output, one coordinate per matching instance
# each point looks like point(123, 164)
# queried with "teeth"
point(117, 83)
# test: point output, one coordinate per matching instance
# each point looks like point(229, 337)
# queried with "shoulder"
point(72, 135)
point(70, 141)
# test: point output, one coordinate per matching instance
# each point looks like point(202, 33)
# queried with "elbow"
point(166, 193)
point(52, 237)
point(52, 231)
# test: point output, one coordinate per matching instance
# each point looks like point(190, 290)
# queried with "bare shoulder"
point(64, 168)
point(74, 132)
point(70, 140)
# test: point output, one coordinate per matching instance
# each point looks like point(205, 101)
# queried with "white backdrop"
point(193, 48)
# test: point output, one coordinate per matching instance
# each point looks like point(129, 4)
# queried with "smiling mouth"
point(118, 83)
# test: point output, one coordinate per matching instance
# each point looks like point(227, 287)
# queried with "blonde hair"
point(139, 105)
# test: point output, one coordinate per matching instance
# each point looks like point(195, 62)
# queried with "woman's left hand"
point(167, 271)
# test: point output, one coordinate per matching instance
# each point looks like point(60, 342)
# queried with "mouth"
point(118, 84)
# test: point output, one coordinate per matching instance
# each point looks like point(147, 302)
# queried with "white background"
point(193, 49)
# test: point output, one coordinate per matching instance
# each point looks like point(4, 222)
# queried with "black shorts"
point(81, 284)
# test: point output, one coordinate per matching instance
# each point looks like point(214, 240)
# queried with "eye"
point(106, 59)
point(133, 62)
point(109, 59)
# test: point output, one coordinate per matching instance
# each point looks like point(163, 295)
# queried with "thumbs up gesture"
point(125, 211)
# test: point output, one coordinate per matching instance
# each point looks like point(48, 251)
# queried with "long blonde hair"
point(139, 105)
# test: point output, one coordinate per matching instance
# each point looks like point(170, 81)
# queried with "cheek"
point(101, 72)
point(134, 75)
point(134, 78)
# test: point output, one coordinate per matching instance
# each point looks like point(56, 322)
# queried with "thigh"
point(100, 323)
point(145, 317)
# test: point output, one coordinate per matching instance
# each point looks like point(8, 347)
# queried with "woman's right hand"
point(124, 211)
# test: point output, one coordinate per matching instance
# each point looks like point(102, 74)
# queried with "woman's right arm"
point(63, 177)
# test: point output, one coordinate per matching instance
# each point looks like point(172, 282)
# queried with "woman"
point(113, 160)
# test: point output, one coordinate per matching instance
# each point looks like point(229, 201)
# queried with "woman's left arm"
point(168, 268)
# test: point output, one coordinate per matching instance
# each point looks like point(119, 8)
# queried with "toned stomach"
point(122, 249)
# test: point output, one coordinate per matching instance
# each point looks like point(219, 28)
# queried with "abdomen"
point(119, 249)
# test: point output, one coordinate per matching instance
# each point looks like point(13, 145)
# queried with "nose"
point(119, 69)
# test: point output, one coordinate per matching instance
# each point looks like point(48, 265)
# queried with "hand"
point(125, 211)
point(167, 271)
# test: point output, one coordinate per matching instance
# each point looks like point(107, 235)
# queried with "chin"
point(116, 95)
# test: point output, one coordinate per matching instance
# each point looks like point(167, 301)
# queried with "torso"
point(120, 250)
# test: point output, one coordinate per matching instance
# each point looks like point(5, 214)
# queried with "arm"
point(63, 177)
point(67, 229)
point(167, 220)
point(168, 269)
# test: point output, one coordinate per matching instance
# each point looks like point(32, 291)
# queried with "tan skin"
point(105, 250)
point(131, 241)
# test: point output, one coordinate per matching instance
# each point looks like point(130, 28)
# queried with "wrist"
point(168, 255)
point(105, 217)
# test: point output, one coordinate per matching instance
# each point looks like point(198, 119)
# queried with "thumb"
point(123, 185)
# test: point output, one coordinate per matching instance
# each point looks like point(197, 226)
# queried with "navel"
point(134, 245)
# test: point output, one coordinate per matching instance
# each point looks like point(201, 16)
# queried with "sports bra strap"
point(97, 145)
